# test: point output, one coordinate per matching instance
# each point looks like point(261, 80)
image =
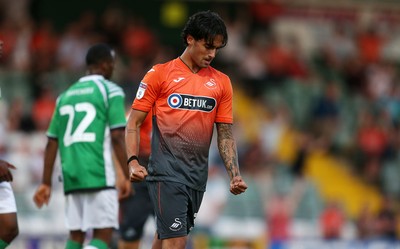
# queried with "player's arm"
point(42, 195)
point(228, 152)
point(132, 136)
point(118, 142)
point(123, 183)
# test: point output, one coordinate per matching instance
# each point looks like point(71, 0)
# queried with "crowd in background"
point(333, 79)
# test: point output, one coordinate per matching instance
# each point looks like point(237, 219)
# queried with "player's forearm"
point(227, 149)
point(132, 135)
point(49, 159)
point(118, 141)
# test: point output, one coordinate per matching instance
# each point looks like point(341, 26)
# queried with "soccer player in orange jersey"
point(186, 97)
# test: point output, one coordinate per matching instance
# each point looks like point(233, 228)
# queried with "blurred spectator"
point(386, 220)
point(43, 47)
point(20, 54)
point(297, 63)
point(18, 119)
point(234, 52)
point(332, 221)
point(392, 103)
point(274, 124)
point(252, 69)
point(282, 205)
point(370, 42)
point(74, 42)
point(371, 144)
point(379, 81)
point(365, 223)
point(214, 200)
point(265, 12)
point(279, 218)
point(354, 76)
point(8, 34)
point(305, 145)
point(340, 47)
point(138, 41)
point(276, 57)
point(112, 24)
point(42, 109)
point(325, 113)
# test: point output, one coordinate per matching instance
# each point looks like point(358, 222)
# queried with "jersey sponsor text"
point(189, 102)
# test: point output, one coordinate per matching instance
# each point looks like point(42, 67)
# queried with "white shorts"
point(7, 199)
point(92, 210)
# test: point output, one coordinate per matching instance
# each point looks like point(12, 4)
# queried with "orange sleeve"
point(224, 111)
point(148, 90)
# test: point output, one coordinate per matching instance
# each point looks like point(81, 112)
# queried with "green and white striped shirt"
point(84, 115)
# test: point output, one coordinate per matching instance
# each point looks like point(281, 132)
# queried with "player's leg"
point(74, 219)
point(134, 212)
point(8, 215)
point(175, 207)
point(100, 213)
point(9, 229)
point(156, 242)
point(128, 244)
point(101, 238)
point(172, 243)
point(75, 240)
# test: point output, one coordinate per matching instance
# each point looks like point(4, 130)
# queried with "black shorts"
point(134, 212)
point(176, 207)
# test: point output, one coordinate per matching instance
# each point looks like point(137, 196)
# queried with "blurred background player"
point(88, 122)
point(136, 209)
point(8, 210)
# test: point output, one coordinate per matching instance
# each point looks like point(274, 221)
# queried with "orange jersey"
point(185, 106)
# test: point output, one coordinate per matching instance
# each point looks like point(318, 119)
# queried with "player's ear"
point(190, 40)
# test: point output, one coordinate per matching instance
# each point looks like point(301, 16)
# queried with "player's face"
point(109, 68)
point(203, 52)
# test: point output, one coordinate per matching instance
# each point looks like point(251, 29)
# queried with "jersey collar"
point(185, 67)
point(91, 77)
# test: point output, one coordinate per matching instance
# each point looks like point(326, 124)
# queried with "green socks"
point(98, 244)
point(71, 245)
point(94, 243)
point(3, 244)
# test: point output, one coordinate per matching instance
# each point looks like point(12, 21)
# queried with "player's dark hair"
point(98, 53)
point(205, 25)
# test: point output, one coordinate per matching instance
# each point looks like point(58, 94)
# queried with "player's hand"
point(124, 189)
point(42, 195)
point(238, 185)
point(5, 173)
point(137, 172)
